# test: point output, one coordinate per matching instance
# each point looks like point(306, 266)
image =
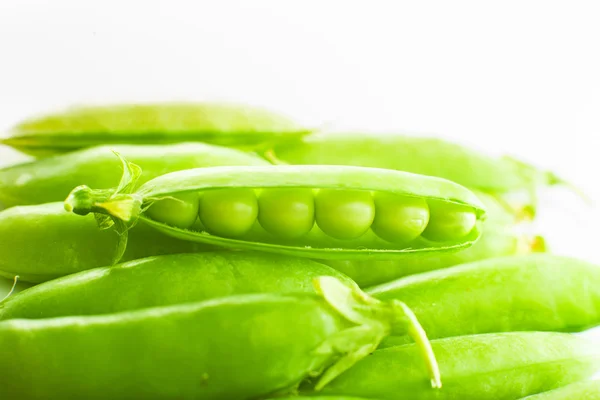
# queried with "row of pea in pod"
point(218, 251)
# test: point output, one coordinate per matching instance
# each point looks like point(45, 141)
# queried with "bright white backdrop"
point(518, 77)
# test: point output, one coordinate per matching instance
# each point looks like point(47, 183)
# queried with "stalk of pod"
point(338, 327)
point(359, 212)
point(539, 292)
point(501, 235)
point(231, 125)
point(51, 179)
point(501, 366)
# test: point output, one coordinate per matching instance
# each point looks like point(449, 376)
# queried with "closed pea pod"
point(480, 367)
point(126, 205)
point(540, 292)
point(223, 124)
point(43, 242)
point(166, 280)
point(51, 179)
point(588, 390)
point(337, 327)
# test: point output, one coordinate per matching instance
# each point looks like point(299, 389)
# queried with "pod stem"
point(374, 320)
point(12, 289)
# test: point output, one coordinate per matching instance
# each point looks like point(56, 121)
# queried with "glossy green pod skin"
point(587, 390)
point(501, 366)
point(222, 124)
point(275, 341)
point(51, 179)
point(499, 238)
point(166, 280)
point(421, 155)
point(126, 206)
point(537, 292)
point(43, 242)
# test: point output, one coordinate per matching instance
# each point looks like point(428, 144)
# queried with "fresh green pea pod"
point(166, 280)
point(339, 203)
point(500, 237)
point(587, 390)
point(537, 292)
point(161, 123)
point(501, 366)
point(43, 242)
point(274, 341)
point(421, 155)
point(51, 179)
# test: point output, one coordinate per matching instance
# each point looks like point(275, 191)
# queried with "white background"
point(517, 77)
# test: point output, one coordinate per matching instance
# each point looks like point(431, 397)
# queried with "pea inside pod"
point(343, 199)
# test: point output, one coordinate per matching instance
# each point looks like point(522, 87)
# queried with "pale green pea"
point(228, 212)
point(344, 214)
point(180, 211)
point(448, 222)
point(399, 219)
point(288, 213)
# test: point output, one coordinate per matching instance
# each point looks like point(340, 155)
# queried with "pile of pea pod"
point(226, 252)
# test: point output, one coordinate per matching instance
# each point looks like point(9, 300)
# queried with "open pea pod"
point(231, 125)
point(323, 212)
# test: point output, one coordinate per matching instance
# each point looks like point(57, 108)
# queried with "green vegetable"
point(421, 155)
point(51, 179)
point(498, 238)
point(166, 280)
point(162, 123)
point(219, 188)
point(540, 292)
point(479, 367)
point(588, 390)
point(43, 242)
point(273, 341)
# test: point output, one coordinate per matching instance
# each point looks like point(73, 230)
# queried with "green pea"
point(344, 214)
point(344, 208)
point(180, 210)
point(399, 219)
point(477, 367)
point(166, 280)
point(229, 212)
point(448, 222)
point(274, 341)
point(233, 125)
point(587, 390)
point(536, 292)
point(289, 213)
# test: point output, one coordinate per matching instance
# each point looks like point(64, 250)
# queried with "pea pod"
point(587, 390)
point(166, 280)
point(343, 201)
point(421, 155)
point(161, 123)
point(177, 351)
point(493, 366)
point(51, 179)
point(501, 235)
point(539, 292)
point(43, 242)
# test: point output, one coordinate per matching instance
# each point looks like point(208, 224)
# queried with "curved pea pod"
point(493, 366)
point(274, 342)
point(587, 390)
point(334, 209)
point(166, 280)
point(421, 155)
point(539, 292)
point(51, 179)
point(222, 124)
point(501, 235)
point(43, 242)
